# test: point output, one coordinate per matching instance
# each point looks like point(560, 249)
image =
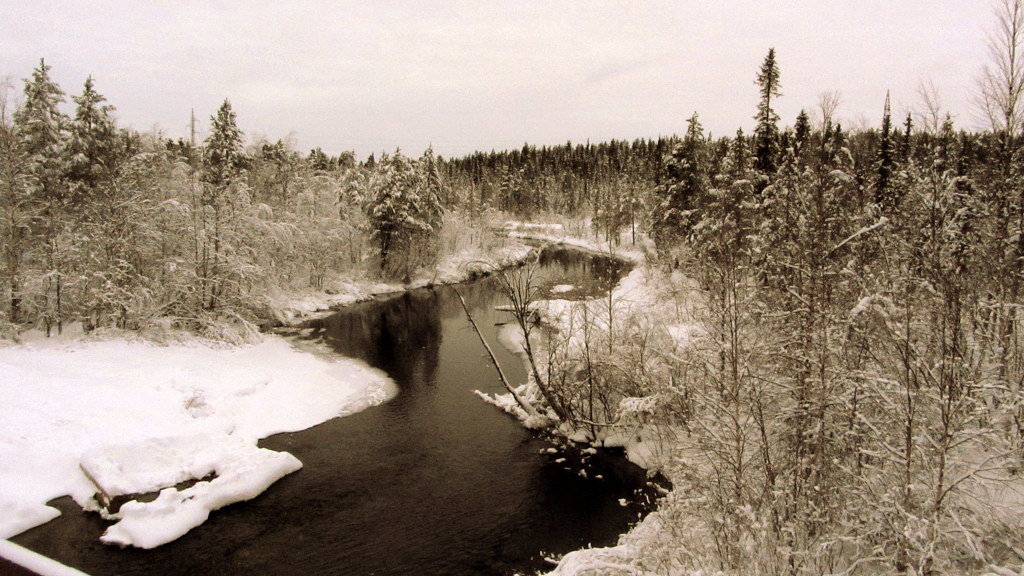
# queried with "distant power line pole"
point(192, 129)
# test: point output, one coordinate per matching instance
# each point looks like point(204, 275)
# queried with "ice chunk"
point(155, 464)
point(243, 471)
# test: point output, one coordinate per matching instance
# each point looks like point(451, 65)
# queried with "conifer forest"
point(827, 363)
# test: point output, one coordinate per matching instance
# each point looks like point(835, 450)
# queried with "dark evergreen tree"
point(437, 193)
point(404, 217)
point(222, 167)
point(93, 148)
point(885, 164)
point(766, 135)
point(41, 133)
point(222, 155)
point(685, 181)
point(801, 132)
point(907, 143)
point(318, 160)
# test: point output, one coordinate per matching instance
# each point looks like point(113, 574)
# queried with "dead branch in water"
point(501, 373)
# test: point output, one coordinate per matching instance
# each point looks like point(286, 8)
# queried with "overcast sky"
point(373, 75)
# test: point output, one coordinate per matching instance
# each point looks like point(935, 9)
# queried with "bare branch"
point(1001, 84)
point(930, 116)
point(828, 102)
point(501, 373)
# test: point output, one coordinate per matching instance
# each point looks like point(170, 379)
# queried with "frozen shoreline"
point(70, 398)
point(295, 305)
point(634, 293)
point(56, 386)
point(209, 404)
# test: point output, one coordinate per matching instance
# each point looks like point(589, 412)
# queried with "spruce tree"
point(40, 127)
point(222, 156)
point(405, 217)
point(318, 161)
point(41, 133)
point(222, 165)
point(906, 144)
point(802, 131)
point(766, 135)
point(92, 147)
point(884, 195)
point(106, 211)
point(685, 181)
point(438, 195)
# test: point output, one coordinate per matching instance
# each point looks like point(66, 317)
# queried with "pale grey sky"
point(375, 75)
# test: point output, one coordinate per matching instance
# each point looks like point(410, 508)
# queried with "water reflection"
point(400, 335)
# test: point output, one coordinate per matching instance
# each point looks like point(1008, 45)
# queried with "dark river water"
point(432, 482)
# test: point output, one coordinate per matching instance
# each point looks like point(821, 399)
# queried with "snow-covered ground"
point(557, 234)
point(464, 265)
point(142, 416)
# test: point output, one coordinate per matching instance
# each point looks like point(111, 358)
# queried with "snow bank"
point(454, 268)
point(514, 226)
point(288, 305)
point(35, 562)
point(619, 559)
point(242, 470)
point(556, 234)
point(64, 403)
point(17, 517)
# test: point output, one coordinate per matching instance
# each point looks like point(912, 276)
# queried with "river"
point(432, 482)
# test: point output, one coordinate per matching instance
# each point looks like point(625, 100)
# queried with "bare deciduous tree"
point(828, 102)
point(1002, 81)
point(929, 116)
point(520, 287)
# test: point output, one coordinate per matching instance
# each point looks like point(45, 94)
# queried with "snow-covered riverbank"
point(65, 399)
point(293, 305)
point(72, 401)
point(640, 298)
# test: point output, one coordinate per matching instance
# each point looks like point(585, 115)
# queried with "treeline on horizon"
point(76, 244)
point(112, 227)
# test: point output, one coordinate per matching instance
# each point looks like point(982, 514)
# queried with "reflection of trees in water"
point(608, 271)
point(594, 273)
point(482, 295)
point(400, 335)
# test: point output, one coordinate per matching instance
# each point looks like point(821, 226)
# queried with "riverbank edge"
point(290, 308)
point(619, 556)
